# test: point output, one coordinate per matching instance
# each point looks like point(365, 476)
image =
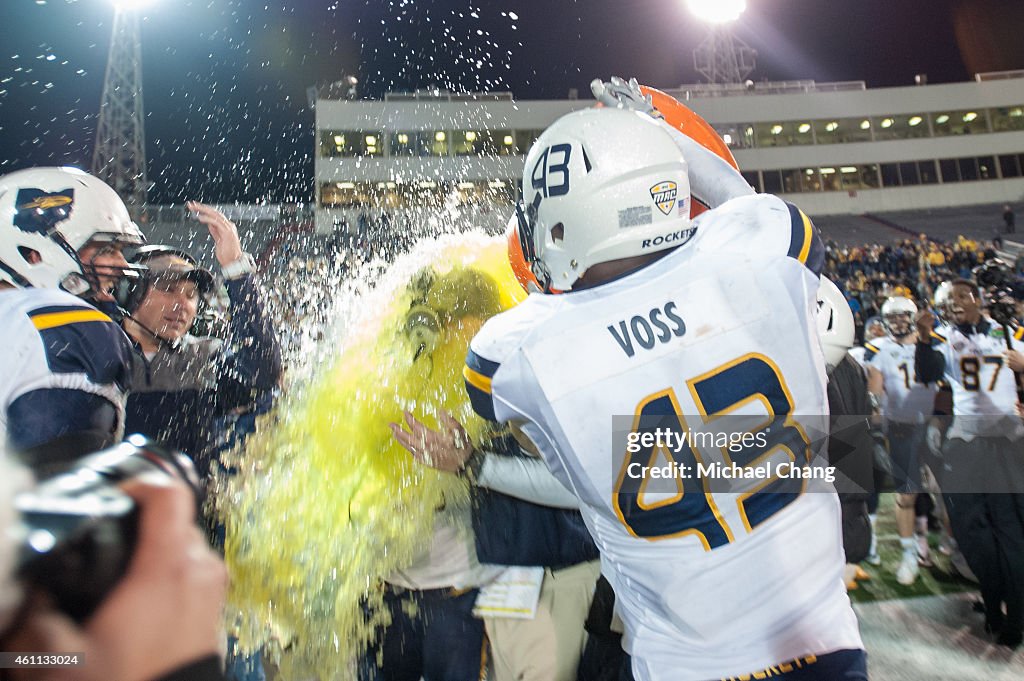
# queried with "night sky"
point(225, 80)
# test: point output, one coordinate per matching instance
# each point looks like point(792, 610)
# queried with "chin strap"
point(160, 340)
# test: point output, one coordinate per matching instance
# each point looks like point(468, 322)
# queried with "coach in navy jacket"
point(183, 384)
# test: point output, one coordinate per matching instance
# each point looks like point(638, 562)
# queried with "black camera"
point(995, 277)
point(78, 530)
point(992, 274)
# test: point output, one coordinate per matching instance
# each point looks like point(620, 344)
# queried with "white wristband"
point(239, 268)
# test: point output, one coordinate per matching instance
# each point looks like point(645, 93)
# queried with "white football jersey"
point(55, 341)
point(984, 388)
point(709, 584)
point(906, 399)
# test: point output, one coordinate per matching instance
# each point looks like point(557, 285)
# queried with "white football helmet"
point(941, 299)
point(601, 185)
point(835, 323)
point(898, 315)
point(874, 328)
point(48, 215)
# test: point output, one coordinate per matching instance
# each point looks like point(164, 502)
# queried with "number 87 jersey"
point(714, 576)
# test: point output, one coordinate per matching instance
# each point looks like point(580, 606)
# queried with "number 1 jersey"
point(709, 583)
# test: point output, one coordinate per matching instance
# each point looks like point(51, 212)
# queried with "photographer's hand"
point(164, 614)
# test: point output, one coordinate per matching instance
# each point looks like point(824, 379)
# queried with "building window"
point(968, 169)
point(927, 172)
point(796, 180)
point(467, 142)
point(404, 143)
point(908, 174)
point(859, 177)
point(1007, 118)
point(783, 134)
point(963, 122)
point(525, 138)
point(339, 143)
point(370, 143)
point(772, 181)
point(753, 179)
point(902, 126)
point(986, 168)
point(1009, 165)
point(842, 130)
point(890, 175)
point(500, 142)
point(949, 170)
point(735, 135)
point(434, 143)
point(831, 179)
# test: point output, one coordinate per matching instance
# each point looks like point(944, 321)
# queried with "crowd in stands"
point(871, 273)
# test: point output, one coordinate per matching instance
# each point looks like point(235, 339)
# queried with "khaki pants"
point(548, 647)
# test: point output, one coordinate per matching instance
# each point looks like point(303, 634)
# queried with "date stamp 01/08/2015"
point(40, 660)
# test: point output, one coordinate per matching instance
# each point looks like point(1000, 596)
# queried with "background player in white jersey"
point(982, 481)
point(677, 323)
point(906, 404)
point(873, 329)
point(66, 364)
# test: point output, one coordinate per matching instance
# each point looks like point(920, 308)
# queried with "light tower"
point(722, 57)
point(119, 157)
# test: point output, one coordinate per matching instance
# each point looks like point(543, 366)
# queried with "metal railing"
point(786, 87)
point(999, 75)
point(446, 96)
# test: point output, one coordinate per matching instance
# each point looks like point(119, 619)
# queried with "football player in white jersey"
point(982, 481)
point(906, 404)
point(673, 324)
point(66, 364)
point(873, 329)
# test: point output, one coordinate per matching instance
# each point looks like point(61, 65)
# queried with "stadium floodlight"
point(129, 5)
point(717, 11)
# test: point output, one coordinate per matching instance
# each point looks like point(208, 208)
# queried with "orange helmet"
point(676, 114)
point(686, 121)
point(516, 258)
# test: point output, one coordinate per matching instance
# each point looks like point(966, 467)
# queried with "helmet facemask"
point(899, 324)
point(527, 218)
point(123, 285)
point(898, 315)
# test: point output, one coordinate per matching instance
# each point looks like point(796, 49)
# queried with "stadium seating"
point(982, 222)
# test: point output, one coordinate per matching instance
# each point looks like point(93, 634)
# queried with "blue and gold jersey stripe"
point(804, 243)
point(1019, 333)
point(52, 317)
point(869, 351)
point(478, 373)
point(936, 336)
point(77, 339)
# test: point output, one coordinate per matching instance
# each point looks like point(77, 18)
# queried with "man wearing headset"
point(181, 383)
